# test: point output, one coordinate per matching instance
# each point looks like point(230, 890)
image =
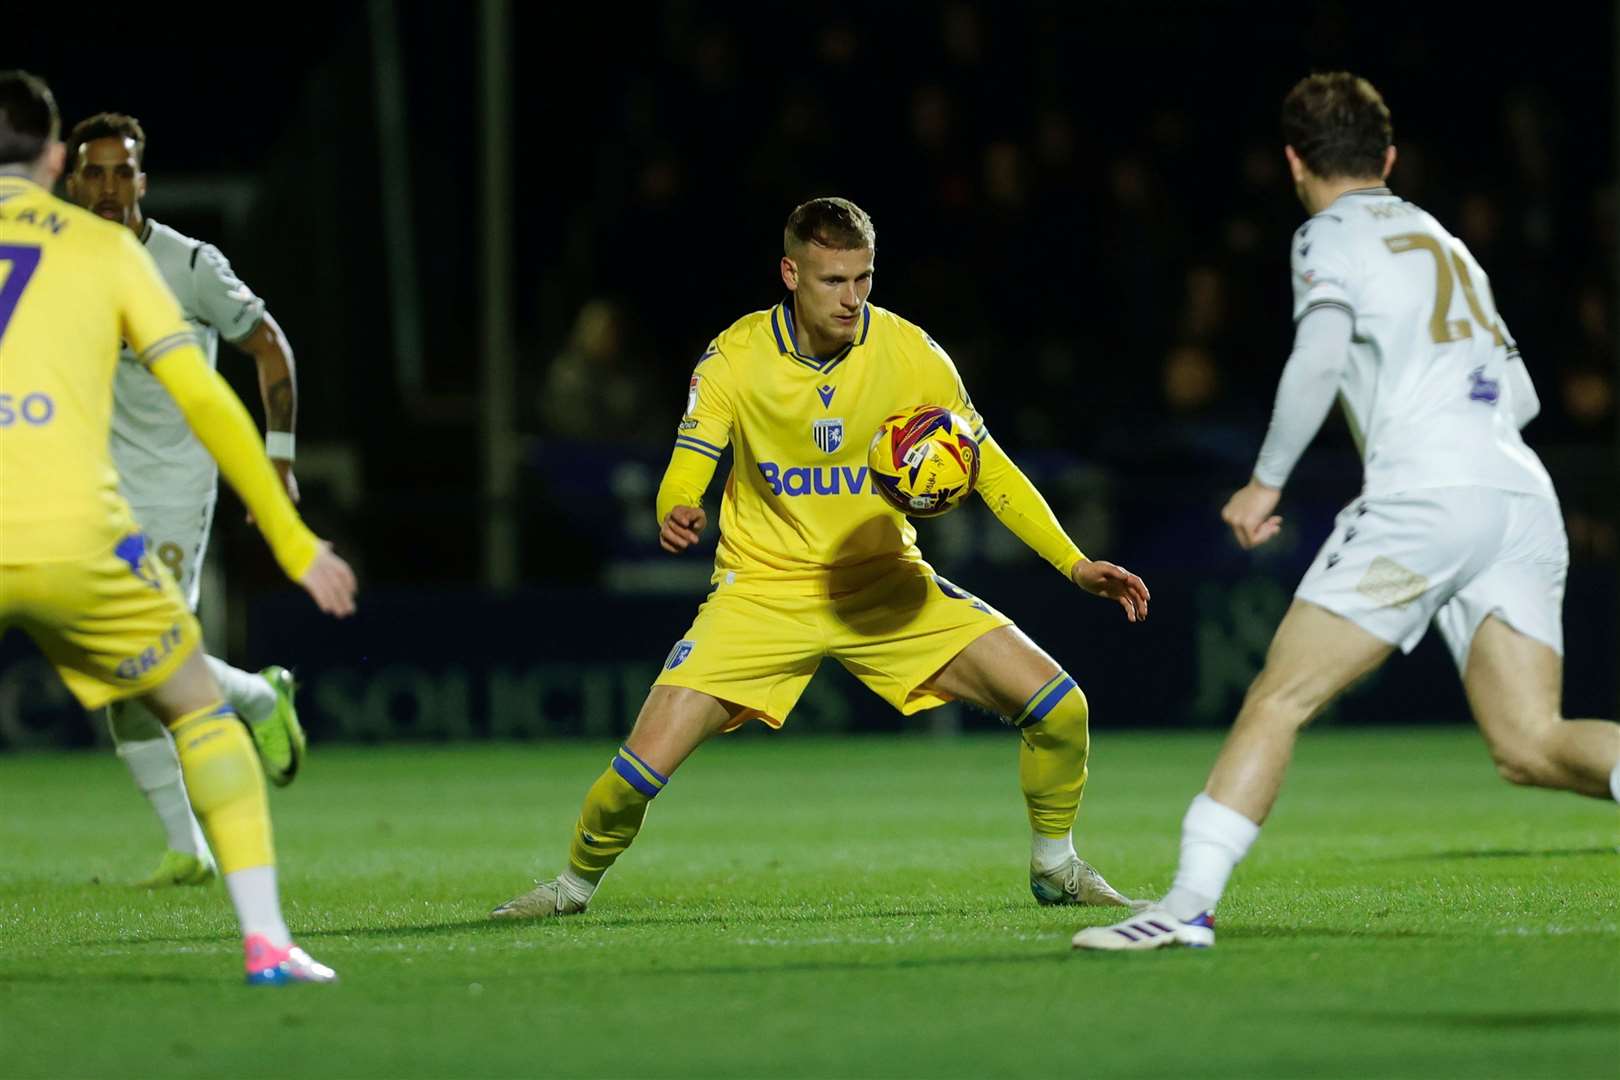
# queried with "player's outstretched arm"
point(1020, 507)
point(222, 425)
point(1115, 583)
point(330, 582)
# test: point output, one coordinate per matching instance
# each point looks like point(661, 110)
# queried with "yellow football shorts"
point(759, 650)
point(115, 625)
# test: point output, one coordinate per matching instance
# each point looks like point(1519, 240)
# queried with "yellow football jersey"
point(799, 514)
point(71, 286)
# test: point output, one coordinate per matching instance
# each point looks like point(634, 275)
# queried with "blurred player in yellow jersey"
point(811, 565)
point(75, 572)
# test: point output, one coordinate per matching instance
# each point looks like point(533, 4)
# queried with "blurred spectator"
point(1203, 313)
point(1190, 380)
point(1479, 225)
point(594, 390)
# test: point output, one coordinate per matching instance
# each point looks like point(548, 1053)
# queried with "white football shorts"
point(1452, 556)
point(177, 537)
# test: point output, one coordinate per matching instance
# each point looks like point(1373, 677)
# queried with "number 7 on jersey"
point(20, 262)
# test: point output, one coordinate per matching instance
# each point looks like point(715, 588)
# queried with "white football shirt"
point(160, 462)
point(1425, 387)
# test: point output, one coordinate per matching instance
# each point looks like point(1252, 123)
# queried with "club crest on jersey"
point(678, 655)
point(829, 434)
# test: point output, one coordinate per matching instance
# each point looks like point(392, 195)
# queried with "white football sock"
point(576, 888)
point(1214, 839)
point(251, 695)
point(156, 769)
point(258, 904)
point(1614, 783)
point(1048, 853)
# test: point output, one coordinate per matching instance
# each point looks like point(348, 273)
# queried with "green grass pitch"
point(818, 907)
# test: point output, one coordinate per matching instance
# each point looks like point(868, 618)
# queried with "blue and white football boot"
point(1154, 928)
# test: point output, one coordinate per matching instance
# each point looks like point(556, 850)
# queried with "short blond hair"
point(831, 222)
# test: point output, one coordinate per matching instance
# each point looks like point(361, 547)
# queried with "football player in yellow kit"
point(811, 565)
point(75, 572)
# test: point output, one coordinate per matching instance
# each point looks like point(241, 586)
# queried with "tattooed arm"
point(278, 385)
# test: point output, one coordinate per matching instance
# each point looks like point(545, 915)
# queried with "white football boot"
point(1154, 928)
point(546, 900)
point(1076, 882)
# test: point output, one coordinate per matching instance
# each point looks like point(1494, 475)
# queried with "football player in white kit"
point(171, 482)
point(1457, 522)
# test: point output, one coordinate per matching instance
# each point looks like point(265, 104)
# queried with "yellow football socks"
point(613, 812)
point(1052, 757)
point(226, 786)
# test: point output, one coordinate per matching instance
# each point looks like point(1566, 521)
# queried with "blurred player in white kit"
point(1457, 523)
point(172, 483)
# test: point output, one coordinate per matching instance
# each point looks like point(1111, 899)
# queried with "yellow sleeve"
point(1016, 503)
point(948, 389)
point(1002, 485)
point(222, 425)
point(702, 435)
point(685, 481)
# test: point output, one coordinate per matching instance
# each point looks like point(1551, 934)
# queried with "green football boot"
point(279, 737)
point(178, 868)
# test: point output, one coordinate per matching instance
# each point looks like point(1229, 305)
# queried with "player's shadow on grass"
point(694, 915)
point(476, 924)
point(1263, 933)
point(1053, 956)
point(1529, 1019)
point(1503, 853)
point(101, 978)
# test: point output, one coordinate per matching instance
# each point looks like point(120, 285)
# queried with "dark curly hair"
point(107, 125)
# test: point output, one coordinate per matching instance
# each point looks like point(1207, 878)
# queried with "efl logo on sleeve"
point(692, 395)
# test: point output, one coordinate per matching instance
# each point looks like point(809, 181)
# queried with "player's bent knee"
point(1525, 770)
point(1063, 725)
point(674, 721)
point(1070, 720)
point(1525, 757)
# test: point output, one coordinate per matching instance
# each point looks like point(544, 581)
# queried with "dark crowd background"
point(1086, 205)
